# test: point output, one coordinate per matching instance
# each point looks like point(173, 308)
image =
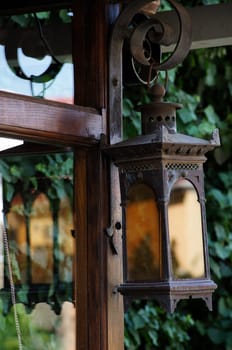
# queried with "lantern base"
point(169, 293)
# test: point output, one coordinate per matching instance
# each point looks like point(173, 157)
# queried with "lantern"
point(165, 254)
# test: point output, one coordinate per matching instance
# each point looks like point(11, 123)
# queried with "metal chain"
point(12, 287)
point(145, 82)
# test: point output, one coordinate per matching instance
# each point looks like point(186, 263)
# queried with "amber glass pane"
point(41, 241)
point(142, 234)
point(185, 229)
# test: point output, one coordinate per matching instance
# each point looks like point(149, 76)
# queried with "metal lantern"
point(164, 217)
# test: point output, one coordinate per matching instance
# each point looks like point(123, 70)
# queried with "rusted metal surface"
point(159, 158)
point(120, 33)
point(156, 31)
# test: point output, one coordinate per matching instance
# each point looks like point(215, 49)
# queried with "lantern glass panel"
point(185, 229)
point(142, 234)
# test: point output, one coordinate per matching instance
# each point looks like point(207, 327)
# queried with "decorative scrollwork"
point(153, 32)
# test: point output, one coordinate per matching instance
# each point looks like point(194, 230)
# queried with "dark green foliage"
point(148, 328)
point(203, 85)
point(30, 174)
point(33, 337)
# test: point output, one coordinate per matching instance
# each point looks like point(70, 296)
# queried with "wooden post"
point(90, 53)
point(100, 314)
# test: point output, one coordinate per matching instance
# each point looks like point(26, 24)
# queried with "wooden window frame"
point(99, 308)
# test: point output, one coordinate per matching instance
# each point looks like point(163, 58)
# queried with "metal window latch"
point(110, 231)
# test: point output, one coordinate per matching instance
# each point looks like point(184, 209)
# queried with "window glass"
point(36, 201)
point(36, 55)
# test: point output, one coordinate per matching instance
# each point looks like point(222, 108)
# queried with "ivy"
point(148, 327)
point(203, 85)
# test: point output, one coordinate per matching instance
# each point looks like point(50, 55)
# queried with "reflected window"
point(142, 234)
point(185, 229)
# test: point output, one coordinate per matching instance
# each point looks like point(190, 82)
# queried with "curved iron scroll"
point(183, 44)
point(121, 31)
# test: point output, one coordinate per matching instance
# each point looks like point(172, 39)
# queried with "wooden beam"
point(211, 25)
point(214, 32)
point(42, 120)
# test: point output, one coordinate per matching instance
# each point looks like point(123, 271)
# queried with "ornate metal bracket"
point(150, 30)
point(155, 31)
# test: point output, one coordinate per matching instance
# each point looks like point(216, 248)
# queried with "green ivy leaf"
point(215, 268)
point(210, 74)
point(153, 336)
point(220, 231)
point(226, 270)
point(9, 191)
point(220, 197)
point(216, 335)
point(222, 251)
point(211, 114)
point(187, 115)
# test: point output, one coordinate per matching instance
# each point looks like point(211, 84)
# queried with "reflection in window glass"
point(65, 244)
point(34, 62)
point(142, 234)
point(41, 240)
point(42, 329)
point(17, 235)
point(1, 237)
point(37, 200)
point(185, 229)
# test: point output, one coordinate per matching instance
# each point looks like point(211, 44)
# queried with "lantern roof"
point(163, 142)
point(159, 134)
